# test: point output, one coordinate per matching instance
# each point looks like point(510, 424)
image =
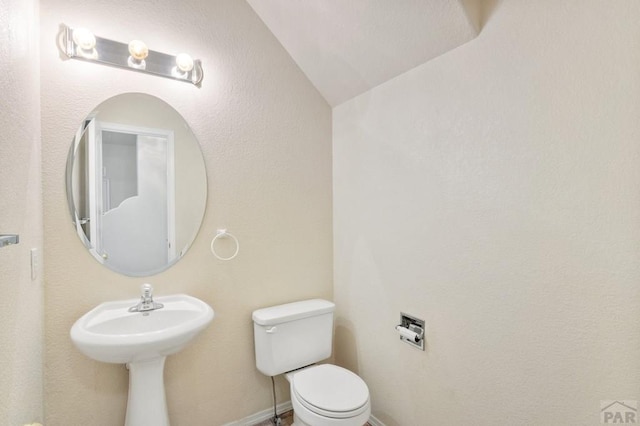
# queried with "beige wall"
point(266, 137)
point(495, 192)
point(21, 307)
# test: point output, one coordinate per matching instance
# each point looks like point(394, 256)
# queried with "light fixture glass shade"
point(138, 50)
point(184, 62)
point(84, 39)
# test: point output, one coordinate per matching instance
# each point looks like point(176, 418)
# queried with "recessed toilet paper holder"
point(9, 239)
point(411, 330)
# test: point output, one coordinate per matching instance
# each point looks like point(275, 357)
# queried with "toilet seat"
point(331, 391)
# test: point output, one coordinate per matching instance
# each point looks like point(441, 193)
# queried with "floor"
point(287, 420)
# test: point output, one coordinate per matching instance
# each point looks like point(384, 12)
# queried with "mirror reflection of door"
point(131, 173)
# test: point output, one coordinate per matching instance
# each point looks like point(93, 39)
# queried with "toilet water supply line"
point(276, 418)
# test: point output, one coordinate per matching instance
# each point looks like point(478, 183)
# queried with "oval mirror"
point(136, 184)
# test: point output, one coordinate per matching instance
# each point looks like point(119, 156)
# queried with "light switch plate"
point(35, 263)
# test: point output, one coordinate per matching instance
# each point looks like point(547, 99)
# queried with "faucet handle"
point(147, 290)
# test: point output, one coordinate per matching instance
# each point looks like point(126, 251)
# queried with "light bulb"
point(184, 62)
point(138, 50)
point(84, 39)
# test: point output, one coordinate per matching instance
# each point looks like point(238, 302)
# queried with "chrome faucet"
point(146, 300)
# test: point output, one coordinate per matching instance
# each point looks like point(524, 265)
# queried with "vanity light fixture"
point(80, 43)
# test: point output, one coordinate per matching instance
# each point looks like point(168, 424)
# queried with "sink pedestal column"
point(147, 404)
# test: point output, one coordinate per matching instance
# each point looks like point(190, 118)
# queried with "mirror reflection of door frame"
point(91, 188)
point(83, 143)
point(95, 179)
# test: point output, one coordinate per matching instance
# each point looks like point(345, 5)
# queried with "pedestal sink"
point(110, 332)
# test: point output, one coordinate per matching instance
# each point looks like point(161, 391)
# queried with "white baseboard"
point(373, 421)
point(281, 408)
point(262, 415)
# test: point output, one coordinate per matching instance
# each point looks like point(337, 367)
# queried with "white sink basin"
point(142, 340)
point(110, 333)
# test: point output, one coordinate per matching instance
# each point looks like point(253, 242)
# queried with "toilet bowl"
point(328, 395)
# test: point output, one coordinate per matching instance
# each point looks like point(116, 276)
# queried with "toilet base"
point(298, 422)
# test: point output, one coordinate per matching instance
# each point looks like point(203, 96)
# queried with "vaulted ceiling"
point(346, 47)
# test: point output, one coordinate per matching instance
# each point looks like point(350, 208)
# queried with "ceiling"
point(346, 47)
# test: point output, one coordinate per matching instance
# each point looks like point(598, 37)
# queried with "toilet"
point(289, 340)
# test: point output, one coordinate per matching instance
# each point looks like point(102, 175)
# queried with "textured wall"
point(495, 192)
point(266, 137)
point(21, 213)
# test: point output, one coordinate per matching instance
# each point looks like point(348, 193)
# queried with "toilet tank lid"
point(292, 311)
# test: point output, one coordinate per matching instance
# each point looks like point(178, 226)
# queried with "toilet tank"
point(293, 335)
